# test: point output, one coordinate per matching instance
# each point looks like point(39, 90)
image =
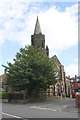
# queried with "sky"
point(58, 21)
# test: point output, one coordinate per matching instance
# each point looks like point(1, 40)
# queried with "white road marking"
point(44, 108)
point(11, 115)
point(64, 107)
point(41, 108)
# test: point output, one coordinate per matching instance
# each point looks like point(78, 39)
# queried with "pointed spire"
point(37, 29)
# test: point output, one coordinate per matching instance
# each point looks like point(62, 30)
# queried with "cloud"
point(71, 70)
point(76, 60)
point(60, 28)
point(17, 23)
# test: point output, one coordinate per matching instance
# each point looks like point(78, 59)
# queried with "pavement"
point(71, 109)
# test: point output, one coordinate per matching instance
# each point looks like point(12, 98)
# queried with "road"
point(58, 108)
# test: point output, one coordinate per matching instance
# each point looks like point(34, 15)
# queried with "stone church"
point(38, 39)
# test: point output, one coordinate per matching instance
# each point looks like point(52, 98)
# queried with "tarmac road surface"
point(58, 108)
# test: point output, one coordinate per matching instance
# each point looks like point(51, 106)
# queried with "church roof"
point(37, 29)
point(56, 59)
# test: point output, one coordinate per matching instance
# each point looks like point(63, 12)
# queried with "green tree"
point(31, 69)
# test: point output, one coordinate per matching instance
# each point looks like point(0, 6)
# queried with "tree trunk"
point(54, 90)
point(45, 93)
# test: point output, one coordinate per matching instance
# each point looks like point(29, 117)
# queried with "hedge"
point(5, 95)
point(10, 96)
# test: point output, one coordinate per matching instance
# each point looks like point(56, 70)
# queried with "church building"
point(38, 39)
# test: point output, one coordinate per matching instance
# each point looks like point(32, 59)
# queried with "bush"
point(5, 95)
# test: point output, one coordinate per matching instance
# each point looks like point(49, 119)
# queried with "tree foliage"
point(31, 69)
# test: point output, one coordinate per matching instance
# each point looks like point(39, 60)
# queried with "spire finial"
point(37, 29)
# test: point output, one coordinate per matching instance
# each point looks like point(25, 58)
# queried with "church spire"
point(37, 29)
